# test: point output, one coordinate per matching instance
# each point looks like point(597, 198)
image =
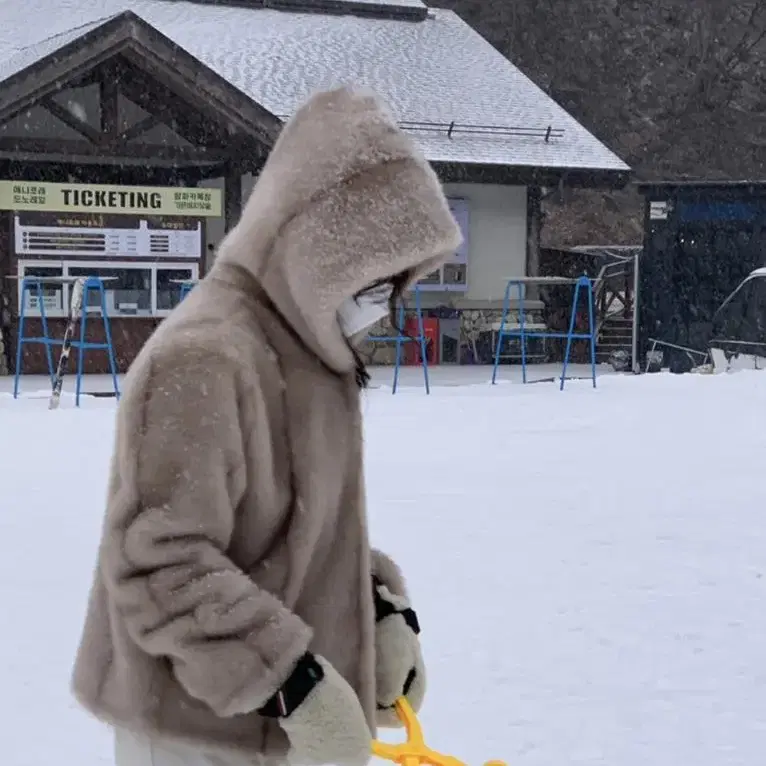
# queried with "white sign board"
point(453, 275)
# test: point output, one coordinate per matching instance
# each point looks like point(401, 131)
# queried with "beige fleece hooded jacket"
point(235, 535)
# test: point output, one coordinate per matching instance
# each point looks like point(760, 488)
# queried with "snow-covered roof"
point(437, 71)
point(30, 54)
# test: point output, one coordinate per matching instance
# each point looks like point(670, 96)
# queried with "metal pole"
point(634, 339)
point(501, 331)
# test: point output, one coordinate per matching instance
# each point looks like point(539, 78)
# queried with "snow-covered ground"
point(588, 566)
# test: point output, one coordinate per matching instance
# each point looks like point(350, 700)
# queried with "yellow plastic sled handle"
point(414, 751)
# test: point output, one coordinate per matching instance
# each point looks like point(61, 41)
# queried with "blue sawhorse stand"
point(34, 286)
point(399, 339)
point(582, 285)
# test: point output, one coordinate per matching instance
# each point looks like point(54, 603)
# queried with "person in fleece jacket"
point(238, 615)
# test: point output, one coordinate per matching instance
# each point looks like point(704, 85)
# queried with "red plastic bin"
point(411, 350)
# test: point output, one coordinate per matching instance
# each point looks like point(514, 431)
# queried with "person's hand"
point(399, 668)
point(326, 725)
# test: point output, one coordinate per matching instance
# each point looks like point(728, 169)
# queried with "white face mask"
point(359, 313)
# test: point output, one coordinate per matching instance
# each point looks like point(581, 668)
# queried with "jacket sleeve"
point(181, 475)
point(384, 568)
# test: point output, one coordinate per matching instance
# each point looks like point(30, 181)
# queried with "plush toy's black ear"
point(384, 608)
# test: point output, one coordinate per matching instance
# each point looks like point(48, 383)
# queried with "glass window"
point(169, 284)
point(128, 288)
point(455, 274)
point(53, 294)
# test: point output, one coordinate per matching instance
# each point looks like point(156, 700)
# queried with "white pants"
point(136, 750)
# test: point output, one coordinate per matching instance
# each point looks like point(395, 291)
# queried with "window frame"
point(170, 266)
point(63, 267)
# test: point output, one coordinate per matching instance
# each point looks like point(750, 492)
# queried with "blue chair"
point(400, 339)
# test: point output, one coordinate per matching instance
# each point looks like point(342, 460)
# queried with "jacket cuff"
point(279, 645)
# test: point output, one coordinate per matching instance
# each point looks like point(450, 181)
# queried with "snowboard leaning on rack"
point(75, 307)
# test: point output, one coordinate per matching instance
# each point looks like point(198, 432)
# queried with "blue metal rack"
point(34, 286)
point(400, 339)
point(581, 285)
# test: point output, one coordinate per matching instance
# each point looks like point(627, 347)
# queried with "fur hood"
point(344, 199)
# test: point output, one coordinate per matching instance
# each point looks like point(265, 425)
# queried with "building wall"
point(497, 240)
